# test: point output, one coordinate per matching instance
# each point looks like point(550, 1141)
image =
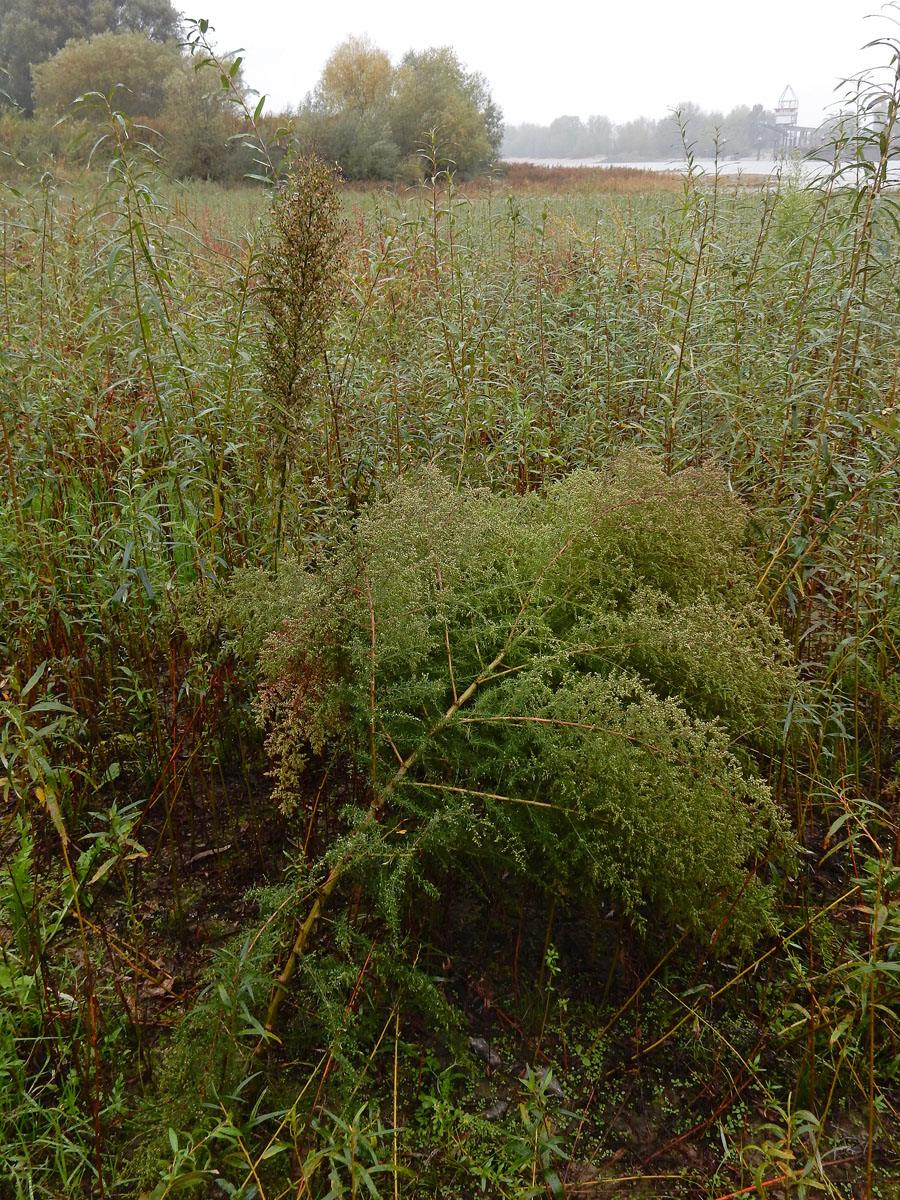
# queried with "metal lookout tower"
point(787, 108)
point(790, 135)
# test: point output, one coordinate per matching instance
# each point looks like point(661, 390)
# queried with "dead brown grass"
point(531, 177)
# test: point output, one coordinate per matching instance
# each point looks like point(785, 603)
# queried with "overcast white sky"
point(625, 59)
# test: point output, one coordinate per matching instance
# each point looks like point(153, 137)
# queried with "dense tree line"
point(744, 132)
point(374, 119)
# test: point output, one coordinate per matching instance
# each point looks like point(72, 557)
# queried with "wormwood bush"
point(571, 687)
point(296, 283)
point(298, 269)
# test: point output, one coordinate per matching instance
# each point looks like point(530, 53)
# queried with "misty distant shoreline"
point(809, 168)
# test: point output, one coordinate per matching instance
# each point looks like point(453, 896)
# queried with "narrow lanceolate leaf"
point(47, 798)
point(35, 678)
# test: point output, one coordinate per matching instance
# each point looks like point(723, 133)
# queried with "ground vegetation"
point(448, 680)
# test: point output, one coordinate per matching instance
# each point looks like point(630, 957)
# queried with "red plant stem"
point(753, 1187)
point(840, 1162)
point(159, 783)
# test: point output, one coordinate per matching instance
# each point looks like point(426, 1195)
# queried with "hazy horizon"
point(580, 64)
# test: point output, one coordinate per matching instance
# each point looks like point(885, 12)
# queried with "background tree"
point(197, 125)
point(747, 131)
point(98, 64)
point(599, 135)
point(641, 139)
point(433, 91)
point(702, 131)
point(357, 77)
point(566, 137)
point(31, 31)
point(362, 145)
point(156, 18)
point(347, 119)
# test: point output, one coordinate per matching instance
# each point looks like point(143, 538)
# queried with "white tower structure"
point(787, 108)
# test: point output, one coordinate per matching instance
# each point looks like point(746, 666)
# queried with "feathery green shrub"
point(570, 687)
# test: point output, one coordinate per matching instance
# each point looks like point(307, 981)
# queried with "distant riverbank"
point(735, 166)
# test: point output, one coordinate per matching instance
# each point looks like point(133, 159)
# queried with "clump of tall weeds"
point(570, 688)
